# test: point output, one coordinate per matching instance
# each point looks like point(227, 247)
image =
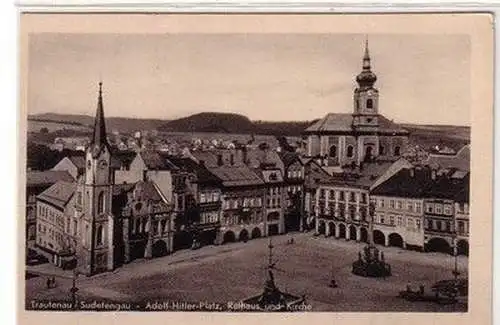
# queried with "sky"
point(423, 79)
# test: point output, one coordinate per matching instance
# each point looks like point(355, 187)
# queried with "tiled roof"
point(461, 160)
point(342, 122)
point(59, 194)
point(202, 173)
point(157, 161)
point(122, 158)
point(78, 161)
point(236, 176)
point(47, 177)
point(421, 185)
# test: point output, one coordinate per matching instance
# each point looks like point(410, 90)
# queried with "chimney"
point(219, 160)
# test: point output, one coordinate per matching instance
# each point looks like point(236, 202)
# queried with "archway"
point(463, 247)
point(208, 237)
point(369, 153)
point(438, 244)
point(364, 235)
point(395, 240)
point(331, 227)
point(159, 249)
point(137, 250)
point(352, 232)
point(256, 233)
point(321, 228)
point(341, 230)
point(229, 237)
point(243, 235)
point(378, 237)
point(273, 230)
point(182, 240)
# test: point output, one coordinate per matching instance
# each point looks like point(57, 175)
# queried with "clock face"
point(103, 164)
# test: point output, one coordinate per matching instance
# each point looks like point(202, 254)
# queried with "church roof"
point(342, 122)
point(98, 140)
point(58, 194)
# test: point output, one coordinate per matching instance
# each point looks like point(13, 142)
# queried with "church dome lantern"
point(366, 79)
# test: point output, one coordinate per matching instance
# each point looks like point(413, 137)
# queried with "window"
point(410, 223)
point(363, 198)
point(400, 221)
point(382, 203)
point(79, 198)
point(417, 222)
point(461, 228)
point(447, 209)
point(369, 103)
point(439, 225)
point(341, 196)
point(75, 227)
point(99, 235)
point(391, 219)
point(429, 208)
point(418, 207)
point(203, 198)
point(439, 208)
point(381, 218)
point(410, 206)
point(427, 224)
point(381, 150)
point(391, 204)
point(400, 205)
point(397, 151)
point(333, 151)
point(350, 151)
point(353, 197)
point(100, 203)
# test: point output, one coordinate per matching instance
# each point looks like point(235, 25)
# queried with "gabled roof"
point(342, 122)
point(58, 194)
point(47, 177)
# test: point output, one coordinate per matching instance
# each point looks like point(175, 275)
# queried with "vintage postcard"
point(191, 167)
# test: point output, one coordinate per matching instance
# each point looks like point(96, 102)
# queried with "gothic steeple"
point(99, 136)
point(366, 78)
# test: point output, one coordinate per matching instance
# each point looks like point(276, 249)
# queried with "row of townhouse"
point(423, 209)
point(396, 204)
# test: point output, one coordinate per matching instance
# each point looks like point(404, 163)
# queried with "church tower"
point(96, 230)
point(365, 116)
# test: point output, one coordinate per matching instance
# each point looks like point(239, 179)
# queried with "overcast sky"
point(422, 78)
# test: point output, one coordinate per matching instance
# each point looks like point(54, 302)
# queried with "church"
point(347, 139)
point(96, 225)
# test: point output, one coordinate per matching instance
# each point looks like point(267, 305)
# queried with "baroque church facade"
point(347, 139)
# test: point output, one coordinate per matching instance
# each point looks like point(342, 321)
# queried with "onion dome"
point(366, 78)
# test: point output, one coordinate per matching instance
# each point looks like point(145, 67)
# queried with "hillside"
point(211, 122)
point(121, 124)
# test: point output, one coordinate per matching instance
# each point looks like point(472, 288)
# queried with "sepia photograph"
point(243, 164)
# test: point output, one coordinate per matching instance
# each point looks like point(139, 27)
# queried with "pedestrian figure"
point(422, 288)
point(291, 240)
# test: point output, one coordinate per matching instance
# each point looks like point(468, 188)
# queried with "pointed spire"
point(366, 57)
point(99, 135)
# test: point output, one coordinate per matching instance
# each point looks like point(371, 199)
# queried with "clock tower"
point(96, 231)
point(365, 116)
